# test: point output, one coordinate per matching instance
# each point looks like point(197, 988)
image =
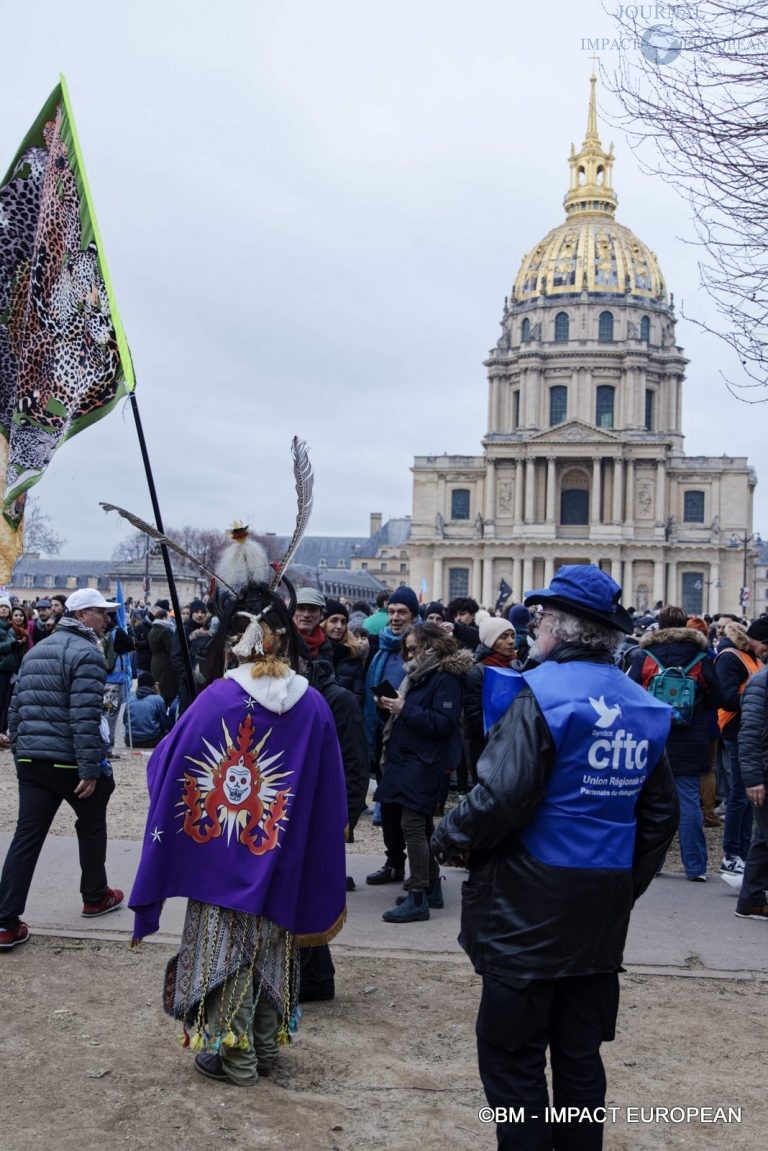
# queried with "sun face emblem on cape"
point(235, 790)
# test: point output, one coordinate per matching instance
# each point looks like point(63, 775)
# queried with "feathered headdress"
point(244, 561)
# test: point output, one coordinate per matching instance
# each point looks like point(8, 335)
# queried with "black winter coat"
point(687, 747)
point(753, 732)
point(522, 919)
point(350, 670)
point(56, 708)
point(425, 738)
point(732, 673)
point(351, 735)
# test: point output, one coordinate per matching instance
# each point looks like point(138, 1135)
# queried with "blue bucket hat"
point(584, 590)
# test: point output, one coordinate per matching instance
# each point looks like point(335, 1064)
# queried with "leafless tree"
point(39, 535)
point(697, 91)
point(133, 547)
point(205, 544)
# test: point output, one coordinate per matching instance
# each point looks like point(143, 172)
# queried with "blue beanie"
point(407, 597)
point(519, 616)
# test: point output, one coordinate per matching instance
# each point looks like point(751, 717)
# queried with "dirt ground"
point(89, 1060)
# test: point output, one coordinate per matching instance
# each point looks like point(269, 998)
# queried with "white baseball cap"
point(86, 597)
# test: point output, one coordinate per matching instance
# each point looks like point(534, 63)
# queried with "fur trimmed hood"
point(737, 634)
point(674, 635)
point(458, 664)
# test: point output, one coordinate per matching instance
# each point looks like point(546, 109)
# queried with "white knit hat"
point(492, 628)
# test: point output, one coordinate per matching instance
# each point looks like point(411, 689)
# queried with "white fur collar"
point(276, 695)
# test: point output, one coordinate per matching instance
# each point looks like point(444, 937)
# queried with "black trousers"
point(392, 830)
point(42, 789)
point(515, 1025)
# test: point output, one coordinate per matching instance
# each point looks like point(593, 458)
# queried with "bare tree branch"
point(39, 535)
point(695, 104)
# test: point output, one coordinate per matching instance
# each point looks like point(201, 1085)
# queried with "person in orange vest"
point(740, 656)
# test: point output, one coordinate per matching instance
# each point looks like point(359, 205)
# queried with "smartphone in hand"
point(384, 690)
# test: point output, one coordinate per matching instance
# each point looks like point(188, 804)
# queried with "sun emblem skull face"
point(238, 783)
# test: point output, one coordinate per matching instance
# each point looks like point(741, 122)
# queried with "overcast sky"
point(312, 213)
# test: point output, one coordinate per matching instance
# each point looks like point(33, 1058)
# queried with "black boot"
point(414, 909)
point(386, 874)
point(434, 895)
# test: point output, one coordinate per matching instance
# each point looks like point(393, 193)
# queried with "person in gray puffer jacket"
point(55, 728)
point(753, 761)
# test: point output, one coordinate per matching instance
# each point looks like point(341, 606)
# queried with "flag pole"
point(164, 550)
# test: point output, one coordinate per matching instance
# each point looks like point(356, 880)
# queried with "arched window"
point(574, 498)
point(649, 398)
point(558, 405)
point(458, 582)
point(460, 504)
point(525, 333)
point(604, 406)
point(645, 329)
point(693, 508)
point(561, 326)
point(693, 588)
point(605, 328)
point(574, 506)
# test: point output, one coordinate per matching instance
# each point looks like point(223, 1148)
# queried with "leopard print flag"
point(64, 360)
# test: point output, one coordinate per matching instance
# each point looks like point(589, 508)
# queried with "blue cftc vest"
point(609, 734)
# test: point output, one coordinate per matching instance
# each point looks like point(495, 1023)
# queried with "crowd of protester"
point(404, 684)
point(349, 650)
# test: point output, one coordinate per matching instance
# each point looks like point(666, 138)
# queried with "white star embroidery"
point(157, 835)
point(249, 702)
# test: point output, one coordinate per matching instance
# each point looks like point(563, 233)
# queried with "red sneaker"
point(111, 902)
point(13, 936)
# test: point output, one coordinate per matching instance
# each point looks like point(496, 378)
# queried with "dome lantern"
point(591, 170)
point(590, 252)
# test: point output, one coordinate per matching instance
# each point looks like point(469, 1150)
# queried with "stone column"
point(489, 590)
point(594, 514)
point(629, 518)
point(712, 601)
point(477, 578)
point(661, 493)
point(618, 490)
point(551, 473)
point(549, 569)
point(490, 490)
point(437, 578)
point(517, 578)
point(527, 577)
point(519, 485)
point(658, 581)
point(672, 593)
point(627, 590)
point(530, 482)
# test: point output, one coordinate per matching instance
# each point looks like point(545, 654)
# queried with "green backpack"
point(674, 686)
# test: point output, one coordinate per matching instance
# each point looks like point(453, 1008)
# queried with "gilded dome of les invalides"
point(590, 252)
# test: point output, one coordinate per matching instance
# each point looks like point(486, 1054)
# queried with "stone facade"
point(583, 458)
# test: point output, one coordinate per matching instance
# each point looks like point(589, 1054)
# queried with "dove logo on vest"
point(614, 750)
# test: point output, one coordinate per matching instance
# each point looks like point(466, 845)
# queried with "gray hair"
point(586, 632)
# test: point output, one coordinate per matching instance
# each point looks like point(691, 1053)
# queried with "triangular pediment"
point(575, 432)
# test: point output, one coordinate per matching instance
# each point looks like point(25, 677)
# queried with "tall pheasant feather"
point(305, 482)
point(154, 534)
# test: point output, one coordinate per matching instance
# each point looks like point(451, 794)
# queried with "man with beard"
point(573, 812)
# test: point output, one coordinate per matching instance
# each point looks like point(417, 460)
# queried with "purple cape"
point(247, 810)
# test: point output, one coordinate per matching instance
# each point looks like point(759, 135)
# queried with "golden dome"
point(590, 252)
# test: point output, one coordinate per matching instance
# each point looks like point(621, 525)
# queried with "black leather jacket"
point(523, 919)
